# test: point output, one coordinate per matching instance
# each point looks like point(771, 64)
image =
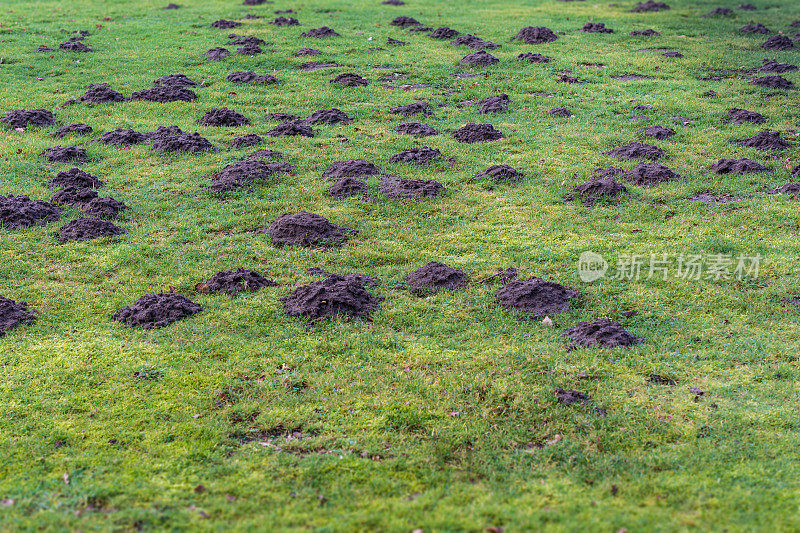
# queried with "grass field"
point(440, 414)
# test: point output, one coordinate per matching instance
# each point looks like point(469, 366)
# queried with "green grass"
point(441, 413)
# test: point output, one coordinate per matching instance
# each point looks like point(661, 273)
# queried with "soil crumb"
point(217, 54)
point(66, 154)
point(285, 21)
point(536, 296)
point(225, 24)
point(480, 58)
point(83, 229)
point(770, 65)
point(243, 174)
point(778, 42)
point(350, 168)
point(650, 174)
point(166, 93)
point(345, 187)
point(74, 177)
point(649, 32)
point(305, 229)
point(73, 196)
point(765, 140)
point(493, 104)
point(106, 207)
point(234, 281)
point(157, 310)
point(536, 35)
point(570, 397)
point(636, 150)
point(597, 189)
point(443, 33)
point(405, 22)
point(417, 128)
point(417, 108)
point(603, 333)
point(13, 314)
point(98, 93)
point(419, 156)
point(533, 58)
point(291, 128)
point(475, 133)
point(331, 297)
point(393, 187)
point(73, 129)
point(596, 27)
point(773, 82)
point(320, 33)
point(251, 139)
point(172, 139)
point(122, 137)
point(18, 212)
point(501, 173)
point(737, 166)
point(22, 118)
point(223, 117)
point(741, 116)
point(348, 79)
point(328, 116)
point(436, 276)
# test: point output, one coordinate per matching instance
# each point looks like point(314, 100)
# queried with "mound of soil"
point(320, 33)
point(250, 76)
point(479, 58)
point(473, 42)
point(285, 21)
point(66, 154)
point(13, 314)
point(225, 24)
point(405, 22)
point(501, 173)
point(217, 54)
point(443, 33)
point(392, 187)
point(564, 78)
point(328, 116)
point(74, 177)
point(347, 187)
point(74, 46)
point(106, 207)
point(172, 139)
point(291, 128)
point(436, 276)
point(789, 188)
point(246, 40)
point(533, 58)
point(569, 397)
point(477, 133)
point(770, 65)
point(419, 156)
point(223, 117)
point(44, 48)
point(493, 104)
point(348, 79)
point(656, 132)
point(249, 50)
point(596, 189)
point(636, 150)
point(242, 174)
point(367, 281)
point(77, 129)
point(796, 171)
point(649, 32)
point(672, 54)
point(741, 116)
point(307, 52)
point(765, 140)
point(536, 296)
point(737, 166)
point(157, 310)
point(719, 12)
point(233, 281)
point(596, 27)
point(122, 137)
point(536, 35)
point(755, 28)
point(393, 3)
point(83, 229)
point(331, 297)
point(773, 82)
point(747, 7)
point(99, 93)
point(20, 212)
point(166, 93)
point(173, 6)
point(778, 42)
point(423, 108)
point(350, 168)
point(560, 112)
point(603, 333)
point(281, 117)
point(650, 5)
point(650, 174)
point(417, 128)
point(22, 118)
point(316, 65)
point(73, 196)
point(251, 139)
point(175, 80)
point(272, 155)
point(305, 229)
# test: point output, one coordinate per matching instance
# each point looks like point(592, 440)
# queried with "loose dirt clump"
point(106, 207)
point(493, 104)
point(393, 3)
point(166, 93)
point(73, 196)
point(501, 173)
point(249, 50)
point(477, 133)
point(656, 132)
point(22, 118)
point(285, 21)
point(83, 229)
point(345, 187)
point(533, 58)
point(225, 24)
point(223, 117)
point(778, 42)
point(765, 140)
point(21, 212)
point(636, 150)
point(242, 174)
point(13, 314)
point(560, 112)
point(393, 187)
point(436, 276)
point(66, 154)
point(650, 174)
point(737, 166)
point(564, 78)
point(77, 129)
point(479, 59)
point(350, 168)
point(789, 188)
point(650, 5)
point(348, 79)
point(536, 35)
point(217, 54)
point(603, 333)
point(74, 177)
point(74, 46)
point(157, 310)
point(98, 93)
point(320, 33)
point(307, 52)
point(173, 6)
point(770, 65)
point(417, 128)
point(649, 32)
point(305, 229)
point(367, 281)
point(291, 128)
point(597, 189)
point(773, 82)
point(250, 76)
point(331, 297)
point(570, 397)
point(747, 7)
point(474, 42)
point(741, 116)
point(755, 28)
point(405, 22)
point(246, 40)
point(234, 281)
point(172, 139)
point(596, 27)
point(175, 80)
point(419, 156)
point(536, 296)
point(672, 54)
point(122, 137)
point(328, 116)
point(251, 139)
point(417, 108)
point(443, 33)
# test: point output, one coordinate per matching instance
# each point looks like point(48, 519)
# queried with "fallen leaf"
point(547, 321)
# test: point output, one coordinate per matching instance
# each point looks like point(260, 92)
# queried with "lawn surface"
point(441, 413)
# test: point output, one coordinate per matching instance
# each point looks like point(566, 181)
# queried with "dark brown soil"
point(536, 35)
point(672, 54)
point(436, 276)
point(345, 187)
point(423, 108)
point(417, 128)
point(747, 7)
point(74, 177)
point(83, 229)
point(393, 3)
point(630, 77)
point(320, 33)
point(570, 397)
point(225, 24)
point(560, 112)
point(650, 174)
point(316, 65)
point(493, 104)
point(307, 52)
point(223, 117)
point(393, 187)
point(74, 46)
point(536, 297)
point(73, 129)
point(285, 21)
point(796, 171)
point(243, 174)
point(270, 155)
point(789, 188)
point(755, 28)
point(565, 78)
point(479, 59)
point(405, 22)
point(348, 79)
point(217, 54)
point(22, 118)
point(597, 189)
point(656, 132)
point(249, 50)
point(66, 154)
point(331, 297)
point(291, 128)
point(719, 12)
point(246, 40)
point(43, 48)
point(251, 139)
point(650, 5)
point(443, 33)
point(74, 196)
point(166, 93)
point(770, 65)
point(765, 140)
point(122, 137)
point(596, 27)
point(172, 139)
point(106, 207)
point(157, 310)
point(234, 281)
point(477, 133)
point(328, 116)
point(741, 116)
point(778, 42)
point(173, 6)
point(501, 173)
point(305, 229)
point(367, 281)
point(398, 42)
point(13, 314)
point(533, 58)
point(419, 156)
point(602, 333)
point(636, 150)
point(21, 212)
point(474, 42)
point(737, 166)
point(649, 32)
point(99, 93)
point(175, 80)
point(661, 380)
point(250, 76)
point(350, 168)
point(773, 82)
